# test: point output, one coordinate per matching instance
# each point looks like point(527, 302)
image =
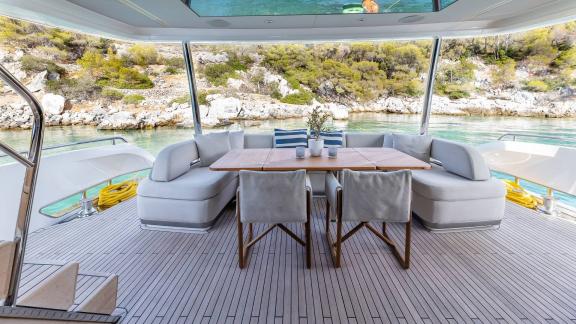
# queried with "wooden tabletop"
point(359, 159)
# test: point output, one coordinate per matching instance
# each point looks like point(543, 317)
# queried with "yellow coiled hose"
point(116, 193)
point(515, 193)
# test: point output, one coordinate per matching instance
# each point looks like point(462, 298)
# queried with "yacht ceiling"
point(172, 20)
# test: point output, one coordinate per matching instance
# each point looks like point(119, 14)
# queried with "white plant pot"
point(315, 146)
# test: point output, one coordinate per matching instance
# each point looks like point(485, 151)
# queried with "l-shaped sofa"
point(457, 193)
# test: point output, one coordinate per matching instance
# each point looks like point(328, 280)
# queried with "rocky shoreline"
point(223, 110)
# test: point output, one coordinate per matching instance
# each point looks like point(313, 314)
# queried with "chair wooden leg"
point(384, 228)
point(250, 232)
point(240, 236)
point(327, 215)
point(407, 244)
point(338, 245)
point(307, 233)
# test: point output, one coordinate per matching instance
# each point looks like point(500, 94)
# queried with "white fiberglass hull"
point(546, 165)
point(63, 175)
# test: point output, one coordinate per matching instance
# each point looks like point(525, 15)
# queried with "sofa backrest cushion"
point(290, 138)
point(212, 146)
point(173, 161)
point(460, 159)
point(258, 141)
point(364, 140)
point(332, 138)
point(388, 140)
point(417, 146)
point(236, 139)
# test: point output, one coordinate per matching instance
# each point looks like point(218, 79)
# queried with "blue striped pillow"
point(290, 138)
point(332, 138)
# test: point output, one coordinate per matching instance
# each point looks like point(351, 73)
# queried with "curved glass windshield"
point(232, 8)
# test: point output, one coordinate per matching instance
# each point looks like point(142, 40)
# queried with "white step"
point(58, 291)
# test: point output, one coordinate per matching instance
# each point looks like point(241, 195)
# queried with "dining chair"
point(275, 198)
point(364, 197)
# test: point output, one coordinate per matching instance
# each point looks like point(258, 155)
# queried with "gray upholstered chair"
point(364, 197)
point(274, 198)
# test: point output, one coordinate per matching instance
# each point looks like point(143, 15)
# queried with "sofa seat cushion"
point(439, 184)
point(196, 184)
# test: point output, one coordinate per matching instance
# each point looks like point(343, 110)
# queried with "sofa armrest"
point(460, 159)
point(174, 160)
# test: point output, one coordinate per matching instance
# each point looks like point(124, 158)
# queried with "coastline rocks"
point(53, 104)
point(209, 57)
point(38, 82)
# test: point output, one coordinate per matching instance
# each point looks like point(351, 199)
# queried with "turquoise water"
point(231, 8)
point(474, 130)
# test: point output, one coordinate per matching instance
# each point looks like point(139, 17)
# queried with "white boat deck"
point(523, 272)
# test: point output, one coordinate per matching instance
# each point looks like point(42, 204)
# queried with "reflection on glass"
point(232, 8)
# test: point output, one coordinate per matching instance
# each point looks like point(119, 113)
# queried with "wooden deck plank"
point(523, 272)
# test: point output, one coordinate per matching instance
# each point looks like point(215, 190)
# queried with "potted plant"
point(317, 124)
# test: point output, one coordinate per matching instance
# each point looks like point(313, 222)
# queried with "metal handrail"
point(31, 162)
point(103, 139)
point(514, 135)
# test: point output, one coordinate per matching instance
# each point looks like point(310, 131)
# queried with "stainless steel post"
point(192, 87)
point(435, 55)
point(31, 175)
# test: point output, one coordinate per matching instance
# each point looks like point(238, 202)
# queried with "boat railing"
point(516, 135)
point(31, 162)
point(113, 139)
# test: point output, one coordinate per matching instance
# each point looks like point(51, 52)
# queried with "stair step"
point(6, 256)
point(96, 292)
point(57, 291)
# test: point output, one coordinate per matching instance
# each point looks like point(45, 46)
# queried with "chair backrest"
point(376, 196)
point(273, 197)
point(174, 160)
point(460, 159)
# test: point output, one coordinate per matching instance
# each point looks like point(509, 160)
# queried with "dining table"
point(284, 159)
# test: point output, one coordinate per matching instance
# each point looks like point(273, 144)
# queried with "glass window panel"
point(232, 8)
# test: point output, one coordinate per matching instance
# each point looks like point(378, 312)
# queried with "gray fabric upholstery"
point(438, 184)
point(196, 184)
point(185, 213)
point(417, 146)
point(236, 139)
point(376, 196)
point(212, 146)
point(273, 197)
point(458, 214)
point(174, 160)
point(460, 159)
point(388, 141)
point(364, 139)
point(258, 141)
point(332, 186)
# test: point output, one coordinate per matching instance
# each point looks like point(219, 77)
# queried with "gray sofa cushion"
point(174, 160)
point(236, 139)
point(212, 146)
point(364, 140)
point(258, 141)
point(417, 146)
point(438, 184)
point(196, 184)
point(388, 141)
point(460, 159)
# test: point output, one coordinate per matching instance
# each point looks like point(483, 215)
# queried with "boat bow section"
point(547, 165)
point(65, 174)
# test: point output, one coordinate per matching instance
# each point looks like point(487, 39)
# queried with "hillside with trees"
point(110, 84)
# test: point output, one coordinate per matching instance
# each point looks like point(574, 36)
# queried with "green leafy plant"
point(143, 54)
point(537, 86)
point(133, 99)
point(218, 73)
point(36, 64)
point(112, 94)
point(316, 122)
point(299, 98)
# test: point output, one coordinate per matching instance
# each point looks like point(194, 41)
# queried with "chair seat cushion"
point(439, 184)
point(196, 184)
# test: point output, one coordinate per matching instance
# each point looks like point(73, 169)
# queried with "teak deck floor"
point(523, 272)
